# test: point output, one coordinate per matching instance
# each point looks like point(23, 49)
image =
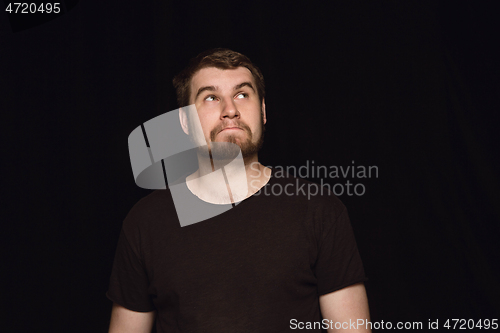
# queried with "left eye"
point(242, 95)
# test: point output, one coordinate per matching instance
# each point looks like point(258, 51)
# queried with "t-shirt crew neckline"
point(256, 194)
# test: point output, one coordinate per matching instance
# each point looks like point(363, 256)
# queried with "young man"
point(272, 263)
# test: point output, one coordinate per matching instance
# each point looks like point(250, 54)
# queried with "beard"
point(231, 142)
point(229, 149)
point(248, 146)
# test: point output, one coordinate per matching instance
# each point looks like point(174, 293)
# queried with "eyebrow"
point(244, 84)
point(214, 88)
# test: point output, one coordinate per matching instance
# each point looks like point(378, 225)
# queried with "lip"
point(231, 128)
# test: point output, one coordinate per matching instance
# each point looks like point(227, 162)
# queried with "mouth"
point(231, 129)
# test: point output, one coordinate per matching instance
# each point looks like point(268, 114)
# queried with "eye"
point(242, 95)
point(210, 98)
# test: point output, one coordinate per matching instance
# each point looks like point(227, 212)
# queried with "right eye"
point(210, 98)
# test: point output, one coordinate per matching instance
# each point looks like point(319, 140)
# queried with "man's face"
point(229, 108)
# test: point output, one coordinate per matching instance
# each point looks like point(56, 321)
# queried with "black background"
point(410, 87)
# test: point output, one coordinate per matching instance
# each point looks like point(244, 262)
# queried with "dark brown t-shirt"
point(254, 268)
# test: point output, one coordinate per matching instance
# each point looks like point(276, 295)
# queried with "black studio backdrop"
point(409, 87)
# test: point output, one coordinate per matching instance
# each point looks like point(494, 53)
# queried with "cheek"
point(197, 129)
point(207, 124)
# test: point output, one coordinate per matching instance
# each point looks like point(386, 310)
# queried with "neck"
point(235, 181)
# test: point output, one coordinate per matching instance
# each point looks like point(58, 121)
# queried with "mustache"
point(220, 127)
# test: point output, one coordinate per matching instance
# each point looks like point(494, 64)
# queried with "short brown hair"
point(219, 58)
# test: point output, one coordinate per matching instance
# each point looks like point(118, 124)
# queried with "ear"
point(184, 120)
point(264, 111)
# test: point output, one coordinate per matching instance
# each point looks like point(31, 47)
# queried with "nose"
point(229, 109)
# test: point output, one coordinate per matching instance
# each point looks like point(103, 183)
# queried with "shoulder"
point(317, 196)
point(321, 210)
point(153, 207)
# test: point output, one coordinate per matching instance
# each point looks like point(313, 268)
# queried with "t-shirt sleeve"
point(129, 282)
point(338, 264)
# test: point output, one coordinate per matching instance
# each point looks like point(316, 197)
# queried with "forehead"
point(222, 78)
